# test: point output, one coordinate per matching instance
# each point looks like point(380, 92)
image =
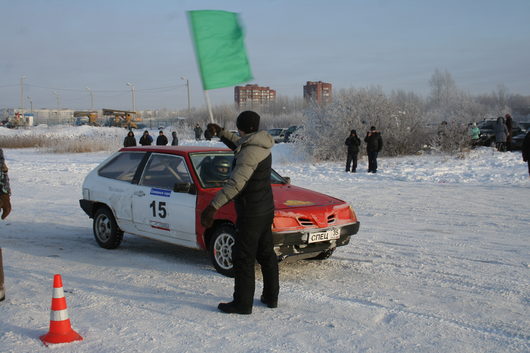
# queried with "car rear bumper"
point(88, 207)
point(295, 243)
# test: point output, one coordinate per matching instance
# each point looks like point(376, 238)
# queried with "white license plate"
point(324, 236)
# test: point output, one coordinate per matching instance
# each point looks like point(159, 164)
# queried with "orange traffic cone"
point(60, 329)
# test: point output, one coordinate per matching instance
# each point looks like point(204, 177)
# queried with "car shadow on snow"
point(77, 244)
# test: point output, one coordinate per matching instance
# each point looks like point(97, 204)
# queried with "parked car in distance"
point(278, 134)
point(517, 142)
point(159, 192)
point(487, 131)
point(293, 132)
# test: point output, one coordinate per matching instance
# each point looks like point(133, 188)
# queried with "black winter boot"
point(271, 303)
point(231, 308)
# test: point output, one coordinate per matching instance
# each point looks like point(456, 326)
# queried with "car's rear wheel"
point(323, 255)
point(106, 231)
point(221, 245)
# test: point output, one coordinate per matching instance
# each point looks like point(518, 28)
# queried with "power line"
point(166, 88)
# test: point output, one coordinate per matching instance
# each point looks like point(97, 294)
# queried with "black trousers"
point(253, 242)
point(2, 291)
point(372, 161)
point(351, 160)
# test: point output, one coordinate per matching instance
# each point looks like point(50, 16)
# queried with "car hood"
point(290, 196)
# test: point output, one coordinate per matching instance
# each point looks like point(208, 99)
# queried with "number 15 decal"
point(162, 213)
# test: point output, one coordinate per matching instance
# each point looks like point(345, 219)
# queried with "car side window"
point(164, 171)
point(122, 167)
point(213, 169)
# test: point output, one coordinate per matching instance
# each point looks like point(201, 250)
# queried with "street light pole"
point(30, 104)
point(91, 98)
point(22, 93)
point(188, 89)
point(132, 93)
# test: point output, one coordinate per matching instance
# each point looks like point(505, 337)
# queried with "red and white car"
point(159, 192)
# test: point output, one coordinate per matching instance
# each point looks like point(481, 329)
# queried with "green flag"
point(220, 48)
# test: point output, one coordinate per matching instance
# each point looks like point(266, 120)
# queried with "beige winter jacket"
point(251, 150)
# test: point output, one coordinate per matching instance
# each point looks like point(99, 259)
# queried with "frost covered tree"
point(397, 116)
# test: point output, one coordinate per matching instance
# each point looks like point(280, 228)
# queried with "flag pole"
point(209, 105)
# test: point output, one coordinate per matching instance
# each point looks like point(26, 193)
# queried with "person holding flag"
point(249, 185)
point(222, 59)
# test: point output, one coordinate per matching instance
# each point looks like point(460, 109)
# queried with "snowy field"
point(441, 264)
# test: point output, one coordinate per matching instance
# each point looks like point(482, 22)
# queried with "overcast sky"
point(64, 46)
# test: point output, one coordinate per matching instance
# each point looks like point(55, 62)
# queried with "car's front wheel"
point(221, 245)
point(106, 231)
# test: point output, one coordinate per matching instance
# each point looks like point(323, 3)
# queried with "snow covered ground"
point(441, 264)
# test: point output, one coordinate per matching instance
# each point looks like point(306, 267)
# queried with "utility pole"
point(58, 105)
point(132, 93)
point(188, 89)
point(91, 98)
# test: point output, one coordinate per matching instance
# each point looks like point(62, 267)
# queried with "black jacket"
point(353, 143)
point(256, 198)
point(161, 140)
point(526, 147)
point(374, 142)
point(146, 140)
point(129, 141)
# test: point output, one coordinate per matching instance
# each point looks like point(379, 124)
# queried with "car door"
point(160, 212)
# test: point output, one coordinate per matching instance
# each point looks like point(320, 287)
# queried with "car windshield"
point(214, 168)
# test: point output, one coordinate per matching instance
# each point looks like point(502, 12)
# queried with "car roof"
point(175, 149)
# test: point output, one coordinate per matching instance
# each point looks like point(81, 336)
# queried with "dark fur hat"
point(248, 121)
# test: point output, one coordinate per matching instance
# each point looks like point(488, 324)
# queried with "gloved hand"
point(5, 205)
point(214, 129)
point(207, 216)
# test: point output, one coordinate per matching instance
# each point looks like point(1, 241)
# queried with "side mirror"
point(188, 188)
point(287, 179)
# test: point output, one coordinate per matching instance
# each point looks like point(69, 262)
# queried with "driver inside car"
point(216, 172)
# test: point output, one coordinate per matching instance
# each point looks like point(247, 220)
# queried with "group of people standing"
point(147, 139)
point(374, 144)
point(198, 133)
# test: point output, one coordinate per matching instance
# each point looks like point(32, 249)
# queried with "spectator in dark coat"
point(526, 150)
point(509, 126)
point(374, 144)
point(161, 140)
point(129, 140)
point(175, 140)
point(207, 135)
point(146, 139)
point(353, 142)
point(198, 132)
point(501, 133)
